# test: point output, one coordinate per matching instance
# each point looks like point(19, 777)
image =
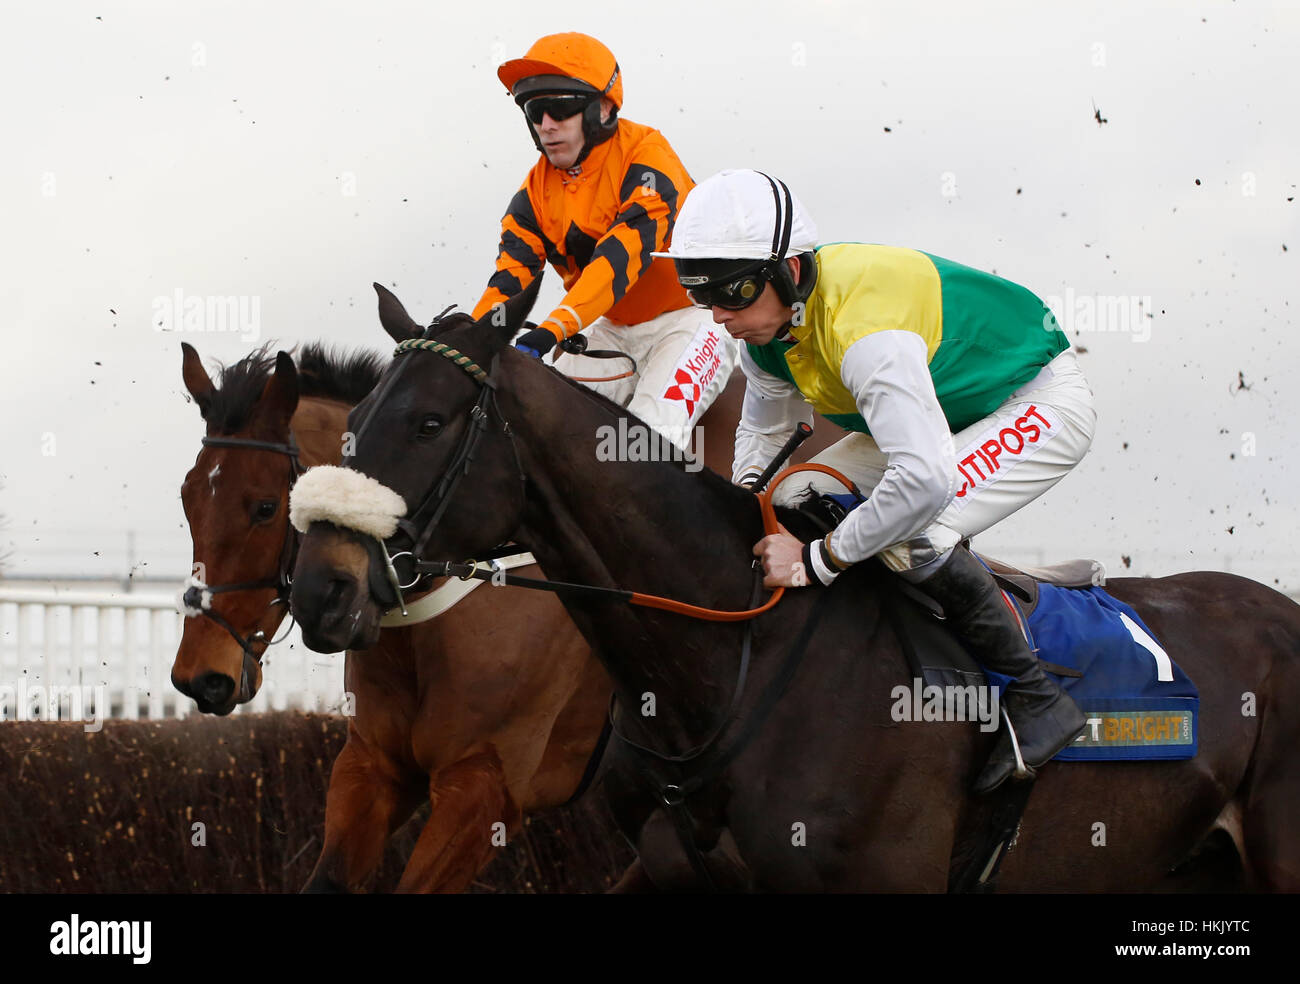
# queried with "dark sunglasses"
point(733, 295)
point(557, 107)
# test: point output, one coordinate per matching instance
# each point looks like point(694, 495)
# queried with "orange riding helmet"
point(569, 63)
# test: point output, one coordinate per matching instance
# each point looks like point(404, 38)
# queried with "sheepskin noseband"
point(345, 498)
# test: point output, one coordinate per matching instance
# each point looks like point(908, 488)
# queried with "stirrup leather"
point(1022, 771)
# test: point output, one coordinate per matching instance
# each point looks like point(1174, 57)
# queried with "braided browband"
point(429, 345)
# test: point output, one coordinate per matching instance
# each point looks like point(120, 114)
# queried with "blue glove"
point(536, 342)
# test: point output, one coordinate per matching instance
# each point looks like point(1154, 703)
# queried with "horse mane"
point(331, 374)
point(323, 372)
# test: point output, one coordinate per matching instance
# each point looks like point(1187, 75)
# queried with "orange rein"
point(603, 379)
point(595, 355)
point(770, 526)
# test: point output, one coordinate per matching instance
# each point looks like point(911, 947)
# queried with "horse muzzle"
point(217, 693)
point(334, 610)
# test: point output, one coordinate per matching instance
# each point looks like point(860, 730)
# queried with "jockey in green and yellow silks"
point(962, 397)
point(972, 324)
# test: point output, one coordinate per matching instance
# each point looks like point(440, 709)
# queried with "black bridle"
point(438, 498)
point(416, 531)
point(282, 581)
point(418, 526)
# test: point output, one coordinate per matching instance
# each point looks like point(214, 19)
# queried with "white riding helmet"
point(741, 222)
point(740, 214)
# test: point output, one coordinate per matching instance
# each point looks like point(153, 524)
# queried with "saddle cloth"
point(1139, 704)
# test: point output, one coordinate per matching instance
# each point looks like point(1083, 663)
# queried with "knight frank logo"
point(684, 388)
point(696, 369)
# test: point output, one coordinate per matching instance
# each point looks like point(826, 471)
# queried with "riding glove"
point(536, 342)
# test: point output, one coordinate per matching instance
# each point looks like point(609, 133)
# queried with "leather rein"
point(577, 345)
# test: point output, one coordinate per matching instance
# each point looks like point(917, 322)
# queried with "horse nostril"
point(215, 688)
point(334, 596)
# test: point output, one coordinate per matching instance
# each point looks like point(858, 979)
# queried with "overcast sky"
point(291, 153)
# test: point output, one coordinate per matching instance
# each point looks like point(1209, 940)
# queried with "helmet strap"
point(783, 283)
point(537, 141)
point(594, 132)
point(781, 277)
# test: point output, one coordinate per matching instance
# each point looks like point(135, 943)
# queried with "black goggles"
point(733, 292)
point(557, 107)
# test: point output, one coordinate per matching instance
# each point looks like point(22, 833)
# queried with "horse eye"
point(430, 426)
point(265, 510)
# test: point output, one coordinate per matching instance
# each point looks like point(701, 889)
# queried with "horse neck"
point(645, 526)
point(318, 426)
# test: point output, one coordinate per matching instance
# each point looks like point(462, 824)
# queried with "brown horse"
point(414, 734)
point(457, 709)
point(808, 782)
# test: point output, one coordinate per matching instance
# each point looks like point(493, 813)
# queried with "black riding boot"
point(1045, 719)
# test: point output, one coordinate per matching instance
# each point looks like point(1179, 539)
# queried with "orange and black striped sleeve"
point(520, 256)
point(648, 203)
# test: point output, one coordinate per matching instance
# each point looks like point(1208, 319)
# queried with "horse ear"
point(197, 380)
point(506, 319)
point(399, 325)
point(279, 399)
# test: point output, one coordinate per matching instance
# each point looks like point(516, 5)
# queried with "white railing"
point(125, 643)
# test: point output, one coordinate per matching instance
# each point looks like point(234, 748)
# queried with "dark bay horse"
point(456, 709)
point(828, 792)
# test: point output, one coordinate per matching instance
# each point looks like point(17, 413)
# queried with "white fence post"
point(159, 685)
point(50, 669)
point(133, 658)
point(77, 651)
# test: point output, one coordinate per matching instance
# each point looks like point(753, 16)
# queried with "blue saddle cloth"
point(1139, 703)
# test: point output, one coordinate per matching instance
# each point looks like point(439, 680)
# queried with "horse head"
point(424, 424)
point(236, 502)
